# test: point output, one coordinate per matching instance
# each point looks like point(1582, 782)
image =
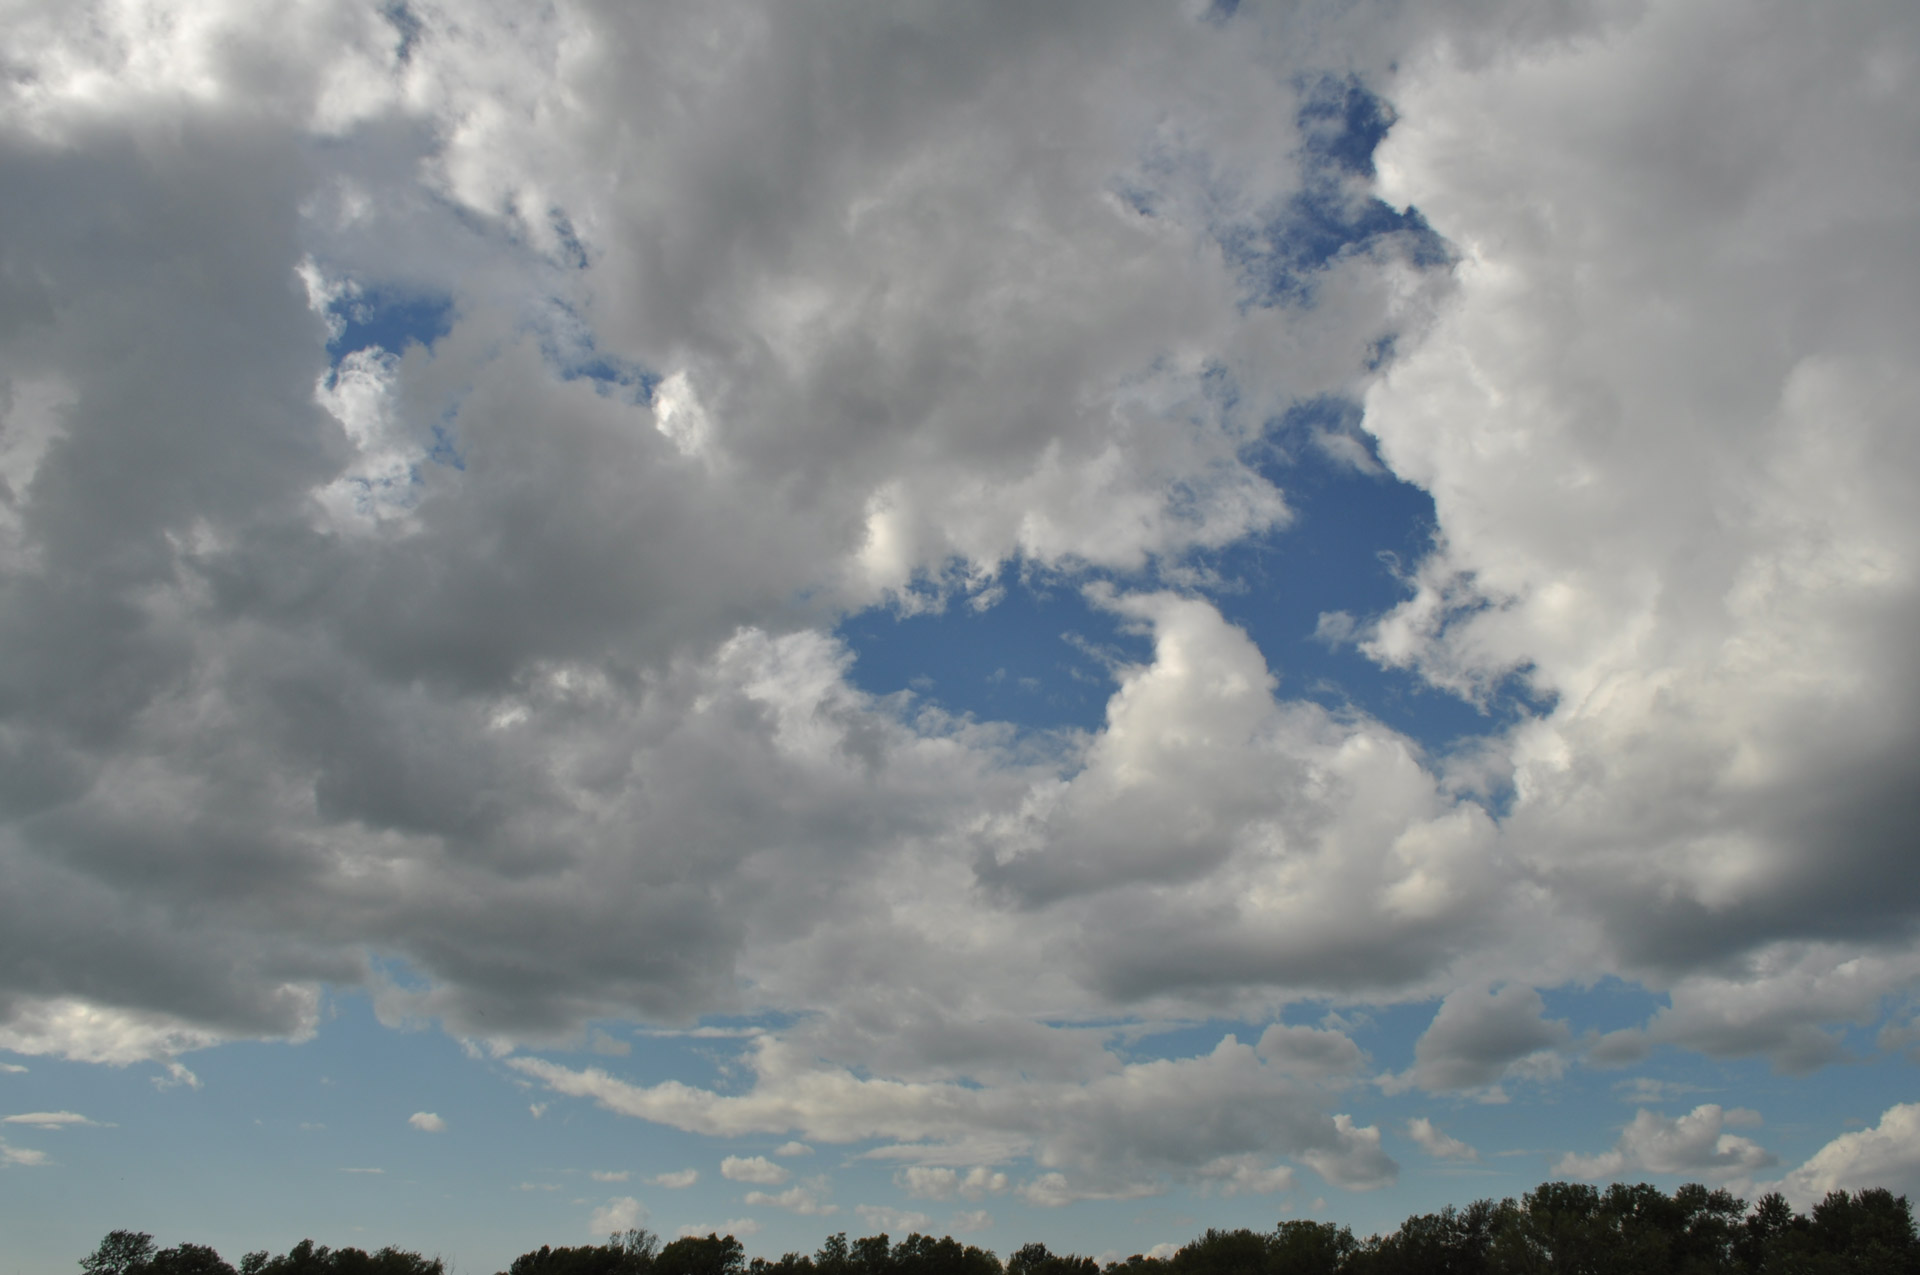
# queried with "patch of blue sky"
point(1040, 657)
point(1278, 254)
point(388, 319)
point(568, 344)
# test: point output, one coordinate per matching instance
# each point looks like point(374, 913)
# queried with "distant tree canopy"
point(1560, 1228)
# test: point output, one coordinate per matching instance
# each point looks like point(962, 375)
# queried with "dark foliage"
point(1560, 1228)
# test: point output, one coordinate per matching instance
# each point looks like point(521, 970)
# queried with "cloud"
point(809, 1198)
point(939, 1183)
point(611, 1175)
point(1356, 1161)
point(1693, 1144)
point(1887, 1155)
point(757, 1169)
point(619, 1214)
point(1476, 1037)
point(12, 1068)
point(374, 1172)
point(1245, 1175)
point(892, 1221)
point(507, 657)
point(678, 1180)
point(792, 1149)
point(24, 1156)
point(52, 1120)
point(1438, 1144)
point(427, 1122)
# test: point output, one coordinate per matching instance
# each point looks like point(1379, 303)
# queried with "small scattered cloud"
point(1643, 1090)
point(10, 1154)
point(12, 1068)
point(1693, 1143)
point(924, 1183)
point(538, 1186)
point(1438, 1144)
point(805, 1198)
point(793, 1148)
point(678, 1180)
point(972, 1220)
point(621, 1213)
point(756, 1169)
point(880, 1217)
point(53, 1120)
point(178, 1076)
point(611, 1175)
point(537, 1108)
point(427, 1122)
point(373, 1171)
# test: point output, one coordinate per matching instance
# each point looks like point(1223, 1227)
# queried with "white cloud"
point(940, 1183)
point(51, 1119)
point(12, 1068)
point(610, 1175)
point(892, 1221)
point(1887, 1155)
point(793, 1149)
point(427, 1122)
point(1694, 1143)
point(25, 1156)
point(809, 1198)
point(757, 1169)
point(1437, 1144)
point(619, 1214)
point(677, 1180)
point(972, 1220)
point(1245, 1175)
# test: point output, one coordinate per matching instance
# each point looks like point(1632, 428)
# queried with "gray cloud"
point(488, 660)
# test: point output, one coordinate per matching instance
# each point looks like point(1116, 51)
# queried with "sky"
point(1060, 622)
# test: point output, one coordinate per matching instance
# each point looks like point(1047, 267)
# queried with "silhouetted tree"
point(693, 1255)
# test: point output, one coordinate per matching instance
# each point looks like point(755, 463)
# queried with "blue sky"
point(1069, 624)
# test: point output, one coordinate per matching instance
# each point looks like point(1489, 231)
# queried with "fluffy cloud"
point(1695, 1143)
point(1437, 1144)
point(622, 1213)
point(808, 1198)
point(1887, 1155)
point(10, 1154)
point(320, 659)
point(756, 1169)
point(1477, 1036)
point(924, 1182)
point(427, 1122)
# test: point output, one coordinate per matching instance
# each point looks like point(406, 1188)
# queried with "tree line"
point(1560, 1228)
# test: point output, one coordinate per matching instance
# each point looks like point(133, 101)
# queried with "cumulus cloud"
point(1437, 1144)
point(427, 1122)
point(1476, 1037)
point(757, 1169)
point(880, 1217)
point(1887, 1155)
point(793, 1149)
point(1695, 1143)
point(940, 1183)
point(678, 1180)
point(322, 652)
point(621, 1213)
point(808, 1198)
